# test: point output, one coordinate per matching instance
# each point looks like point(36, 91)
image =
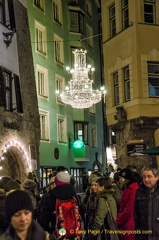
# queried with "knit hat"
point(62, 178)
point(29, 184)
point(127, 174)
point(4, 180)
point(12, 185)
point(16, 201)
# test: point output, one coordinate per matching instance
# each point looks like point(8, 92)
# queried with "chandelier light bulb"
point(57, 92)
point(92, 69)
point(67, 68)
point(89, 66)
point(67, 88)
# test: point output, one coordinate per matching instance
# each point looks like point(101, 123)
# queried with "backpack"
point(68, 219)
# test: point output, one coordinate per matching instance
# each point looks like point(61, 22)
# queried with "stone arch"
point(14, 164)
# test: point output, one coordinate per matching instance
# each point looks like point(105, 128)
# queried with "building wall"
point(19, 131)
point(134, 46)
point(67, 157)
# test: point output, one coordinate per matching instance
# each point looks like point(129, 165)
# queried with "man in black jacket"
point(147, 206)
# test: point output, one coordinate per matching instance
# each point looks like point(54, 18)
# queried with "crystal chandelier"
point(80, 93)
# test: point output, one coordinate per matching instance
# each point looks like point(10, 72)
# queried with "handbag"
point(110, 227)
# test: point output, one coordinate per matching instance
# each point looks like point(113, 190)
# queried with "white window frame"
point(59, 49)
point(60, 86)
point(44, 126)
point(61, 129)
point(42, 88)
point(89, 36)
point(89, 8)
point(40, 41)
point(40, 4)
point(93, 136)
point(57, 11)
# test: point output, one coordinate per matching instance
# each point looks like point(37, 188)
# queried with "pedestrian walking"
point(147, 205)
point(125, 217)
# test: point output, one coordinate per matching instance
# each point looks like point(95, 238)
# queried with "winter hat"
point(29, 184)
point(127, 174)
point(16, 201)
point(3, 181)
point(62, 178)
point(12, 185)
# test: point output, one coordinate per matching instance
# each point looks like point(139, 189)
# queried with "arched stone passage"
point(14, 165)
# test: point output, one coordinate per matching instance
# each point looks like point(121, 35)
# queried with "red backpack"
point(68, 219)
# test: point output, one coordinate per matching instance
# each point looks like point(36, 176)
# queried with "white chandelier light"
point(80, 93)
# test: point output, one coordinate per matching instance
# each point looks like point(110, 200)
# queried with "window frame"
point(40, 4)
point(60, 86)
point(93, 136)
point(148, 2)
point(125, 20)
point(58, 49)
point(40, 41)
point(155, 76)
point(84, 135)
point(116, 88)
point(89, 35)
point(42, 93)
point(61, 129)
point(57, 12)
point(127, 84)
point(79, 28)
point(112, 18)
point(44, 131)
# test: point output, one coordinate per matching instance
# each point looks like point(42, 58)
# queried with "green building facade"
point(57, 28)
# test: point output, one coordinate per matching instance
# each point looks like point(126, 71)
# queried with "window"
point(116, 89)
point(60, 83)
point(89, 8)
point(40, 38)
point(149, 11)
point(62, 136)
point(81, 131)
point(153, 79)
point(10, 92)
point(59, 49)
point(89, 34)
point(93, 136)
point(39, 4)
point(93, 109)
point(127, 84)
point(125, 14)
point(57, 11)
point(2, 12)
point(42, 81)
point(44, 125)
point(112, 21)
point(76, 22)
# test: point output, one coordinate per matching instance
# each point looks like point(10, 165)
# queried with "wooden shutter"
point(18, 94)
point(2, 89)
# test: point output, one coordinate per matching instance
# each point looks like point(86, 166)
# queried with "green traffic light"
point(78, 144)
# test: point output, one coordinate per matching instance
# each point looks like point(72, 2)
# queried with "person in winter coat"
point(18, 209)
point(147, 205)
point(31, 188)
point(104, 199)
point(64, 191)
point(125, 217)
point(117, 189)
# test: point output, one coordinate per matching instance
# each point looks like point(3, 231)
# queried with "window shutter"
point(2, 89)
point(11, 14)
point(18, 94)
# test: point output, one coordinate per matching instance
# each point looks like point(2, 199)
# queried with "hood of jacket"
point(64, 192)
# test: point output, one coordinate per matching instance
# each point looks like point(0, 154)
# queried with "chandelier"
point(80, 94)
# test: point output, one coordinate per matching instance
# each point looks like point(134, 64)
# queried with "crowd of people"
point(123, 206)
